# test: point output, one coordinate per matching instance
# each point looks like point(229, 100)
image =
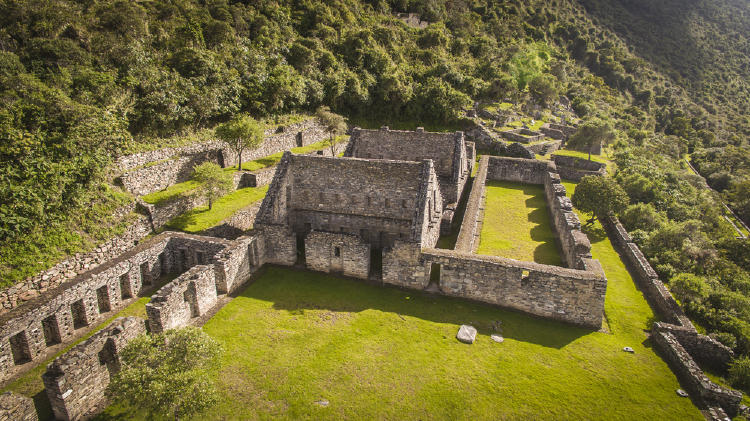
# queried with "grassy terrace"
point(186, 187)
point(201, 218)
point(517, 224)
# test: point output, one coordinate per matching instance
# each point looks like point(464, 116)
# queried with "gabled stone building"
point(451, 154)
point(344, 215)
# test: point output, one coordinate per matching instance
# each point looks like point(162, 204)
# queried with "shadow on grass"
point(187, 219)
point(297, 291)
point(595, 232)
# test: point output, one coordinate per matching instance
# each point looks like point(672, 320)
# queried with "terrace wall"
point(572, 168)
point(69, 268)
point(76, 381)
point(152, 171)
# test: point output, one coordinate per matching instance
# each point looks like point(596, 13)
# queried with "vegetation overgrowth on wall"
point(84, 82)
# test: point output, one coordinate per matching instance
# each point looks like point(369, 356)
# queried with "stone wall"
point(572, 168)
point(653, 289)
point(520, 170)
point(69, 268)
point(15, 407)
point(152, 171)
point(237, 224)
point(522, 135)
point(28, 333)
point(76, 381)
point(234, 264)
point(337, 253)
point(471, 226)
point(567, 131)
point(189, 296)
point(452, 157)
point(574, 243)
point(704, 350)
point(573, 296)
point(692, 378)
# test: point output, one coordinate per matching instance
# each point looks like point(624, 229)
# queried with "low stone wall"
point(521, 170)
point(572, 168)
point(656, 293)
point(567, 131)
point(15, 407)
point(573, 296)
point(157, 170)
point(484, 139)
point(337, 253)
point(544, 148)
point(700, 387)
point(27, 333)
point(189, 296)
point(471, 227)
point(76, 381)
point(69, 268)
point(234, 265)
point(161, 214)
point(522, 135)
point(704, 350)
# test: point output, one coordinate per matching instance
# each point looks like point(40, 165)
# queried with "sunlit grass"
point(201, 218)
point(517, 224)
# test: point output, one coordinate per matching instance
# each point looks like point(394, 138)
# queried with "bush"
point(739, 373)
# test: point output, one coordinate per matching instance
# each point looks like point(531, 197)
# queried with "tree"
point(335, 125)
point(593, 131)
point(168, 374)
point(213, 181)
point(240, 133)
point(543, 88)
point(599, 196)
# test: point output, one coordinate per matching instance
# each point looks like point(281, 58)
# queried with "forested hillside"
point(82, 82)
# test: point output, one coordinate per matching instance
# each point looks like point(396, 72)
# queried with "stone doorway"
point(337, 259)
point(300, 249)
point(376, 264)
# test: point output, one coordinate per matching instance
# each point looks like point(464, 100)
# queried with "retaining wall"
point(76, 381)
point(69, 268)
point(572, 168)
point(157, 170)
point(522, 135)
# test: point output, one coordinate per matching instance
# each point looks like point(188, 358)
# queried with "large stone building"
point(451, 155)
point(343, 215)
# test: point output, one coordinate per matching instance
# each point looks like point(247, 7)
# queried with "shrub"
point(739, 373)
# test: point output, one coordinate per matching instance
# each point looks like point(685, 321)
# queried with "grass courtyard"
point(295, 338)
point(517, 224)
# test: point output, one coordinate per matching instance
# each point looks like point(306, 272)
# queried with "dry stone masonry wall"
point(471, 227)
point(76, 381)
point(572, 168)
point(15, 407)
point(682, 346)
point(189, 296)
point(152, 171)
point(30, 288)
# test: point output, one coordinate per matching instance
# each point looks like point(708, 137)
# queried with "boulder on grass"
point(466, 334)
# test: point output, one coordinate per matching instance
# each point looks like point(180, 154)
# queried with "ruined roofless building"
point(451, 154)
point(345, 214)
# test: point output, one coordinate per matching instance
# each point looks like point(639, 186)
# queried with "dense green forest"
point(82, 82)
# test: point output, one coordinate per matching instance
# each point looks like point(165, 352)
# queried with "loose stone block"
point(466, 334)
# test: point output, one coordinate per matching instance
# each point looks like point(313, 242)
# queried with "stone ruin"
point(452, 157)
point(375, 214)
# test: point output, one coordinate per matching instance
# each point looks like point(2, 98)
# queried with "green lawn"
point(293, 338)
point(517, 224)
point(201, 218)
point(596, 158)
